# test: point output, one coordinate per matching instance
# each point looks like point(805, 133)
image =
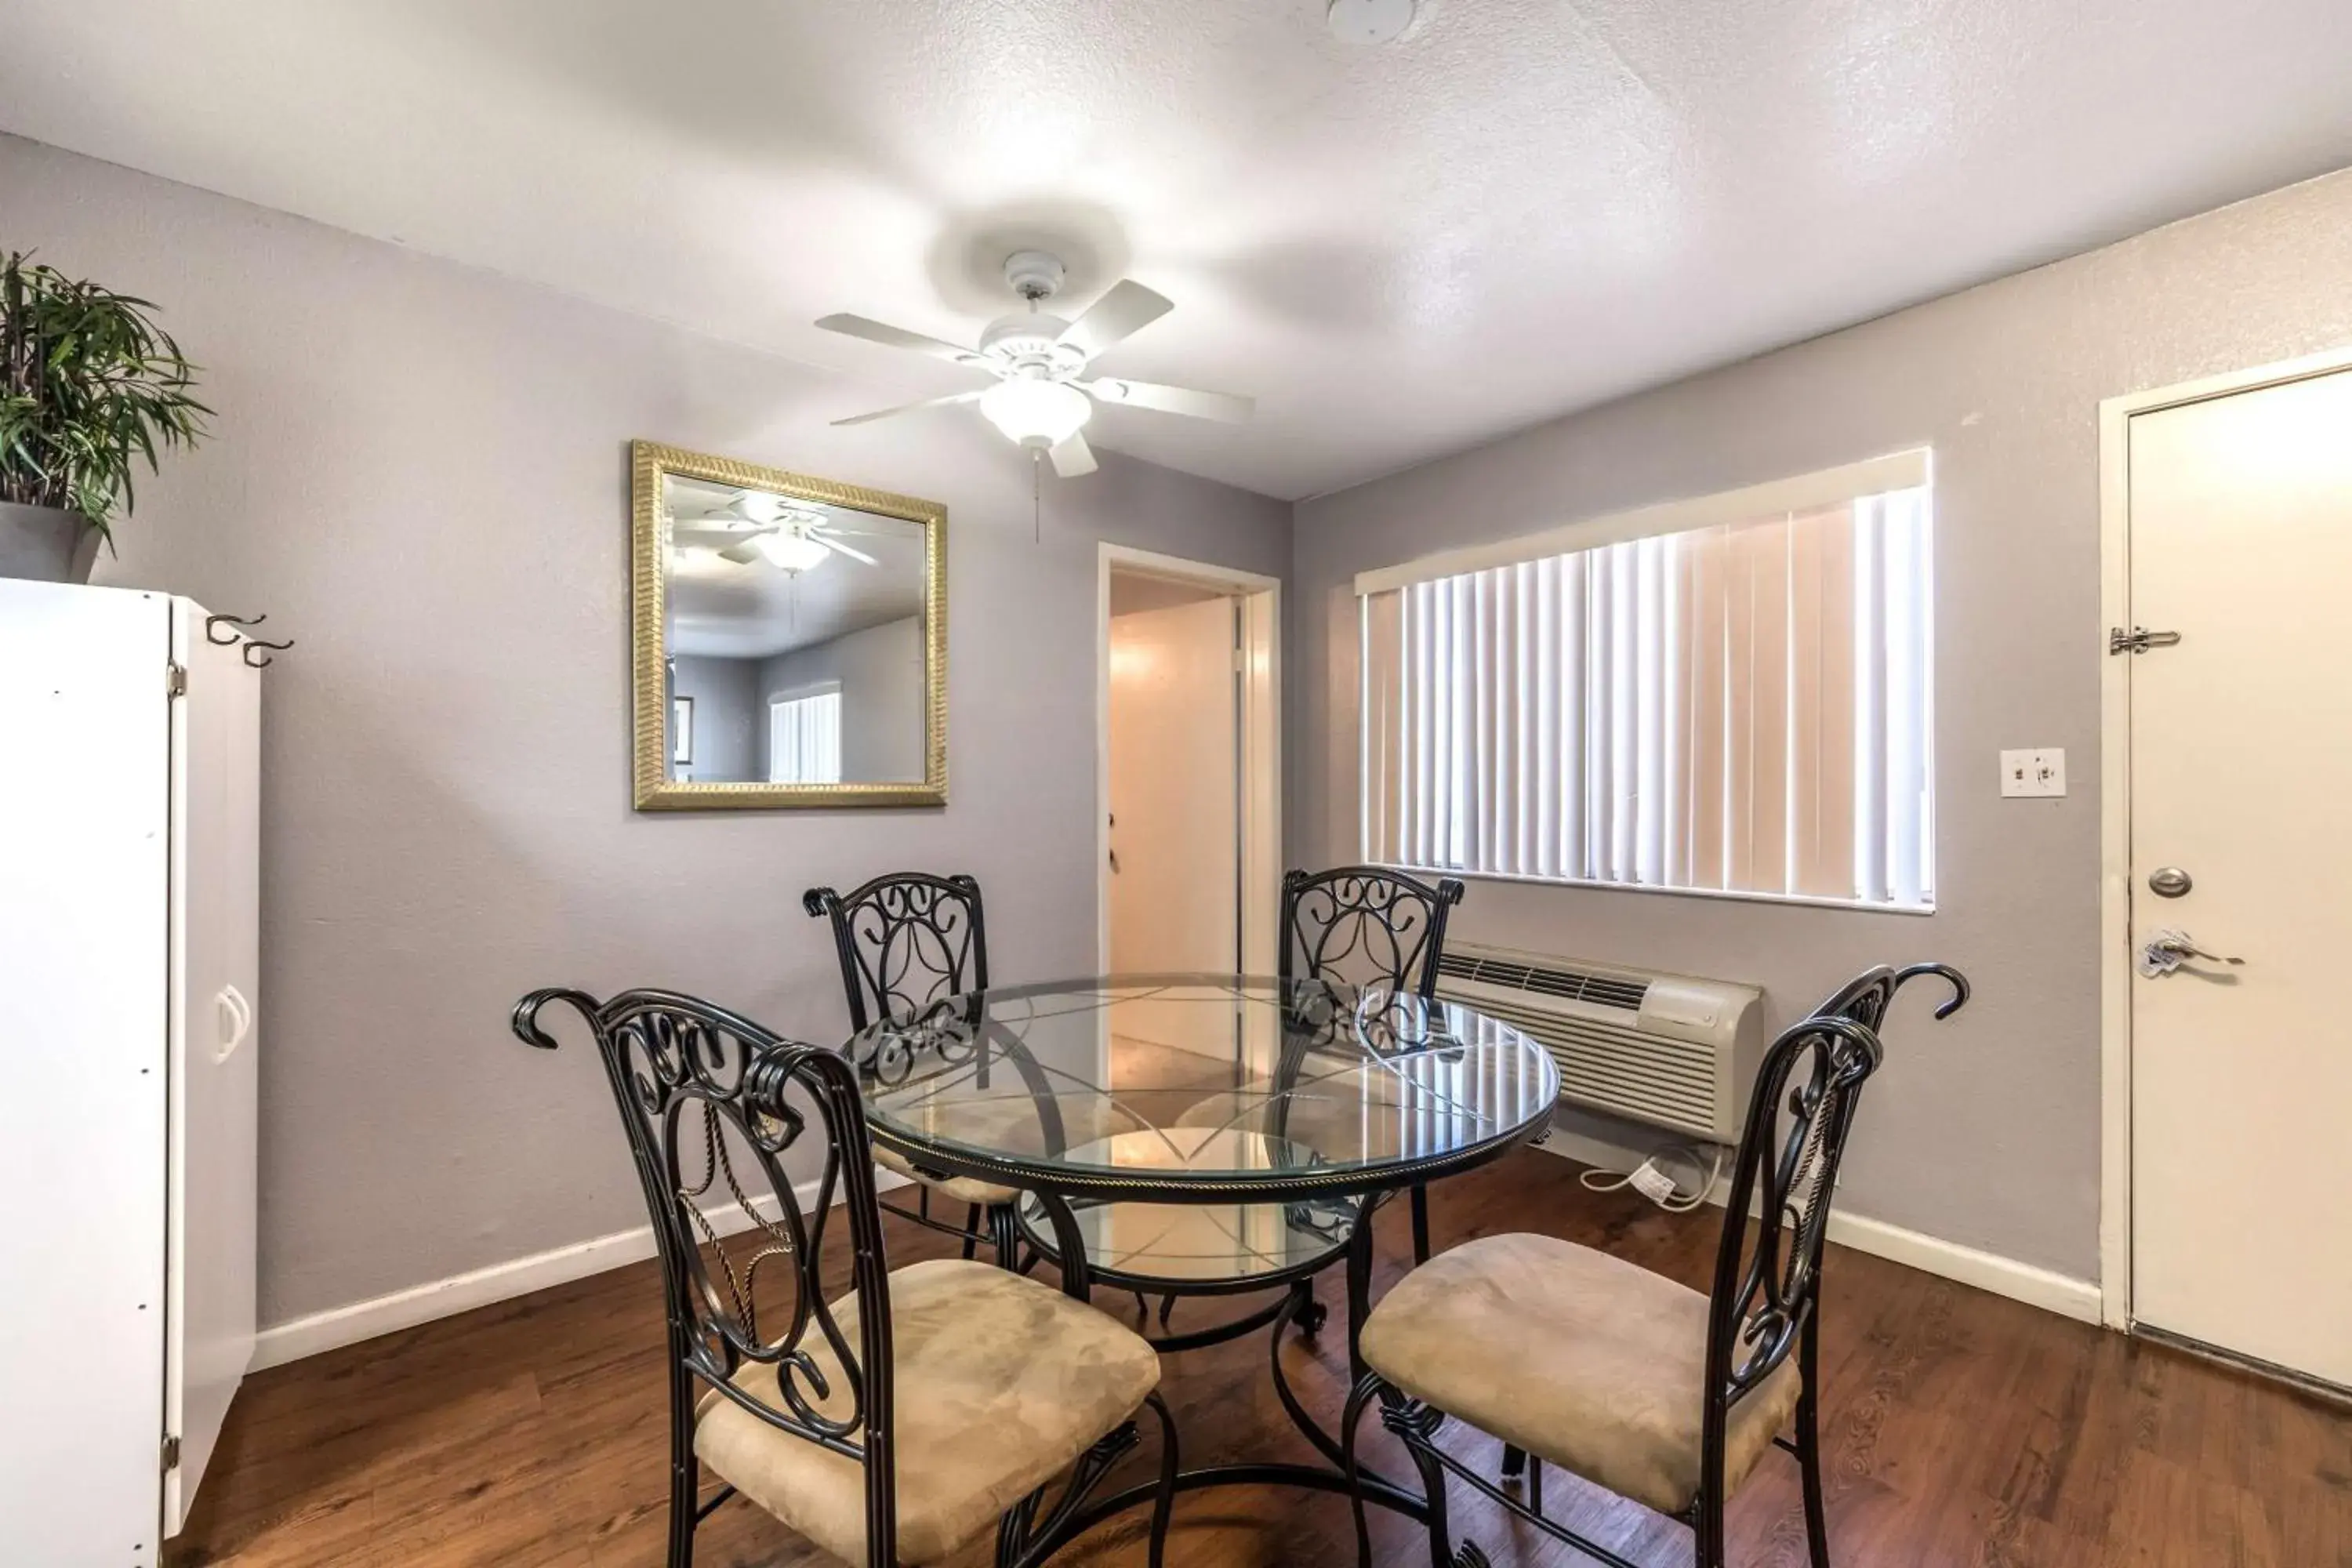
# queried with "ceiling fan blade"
point(838, 548)
point(1126, 311)
point(1152, 395)
point(1073, 457)
point(743, 554)
point(714, 538)
point(883, 333)
point(953, 398)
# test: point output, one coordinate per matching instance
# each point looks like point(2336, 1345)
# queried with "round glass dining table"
point(1268, 1115)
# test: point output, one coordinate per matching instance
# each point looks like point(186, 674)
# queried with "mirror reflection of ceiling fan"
point(1043, 398)
point(753, 526)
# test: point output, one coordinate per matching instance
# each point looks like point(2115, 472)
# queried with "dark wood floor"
point(1961, 1428)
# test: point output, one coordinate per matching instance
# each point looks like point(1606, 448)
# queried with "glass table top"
point(1178, 1086)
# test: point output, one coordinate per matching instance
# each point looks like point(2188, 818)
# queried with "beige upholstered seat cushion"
point(1000, 1383)
point(956, 1189)
point(1579, 1358)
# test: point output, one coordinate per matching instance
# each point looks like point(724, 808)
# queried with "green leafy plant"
point(88, 386)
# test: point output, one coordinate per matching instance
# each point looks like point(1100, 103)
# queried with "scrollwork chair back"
point(1867, 996)
point(904, 940)
point(1365, 925)
point(712, 1103)
point(1767, 1273)
point(1371, 927)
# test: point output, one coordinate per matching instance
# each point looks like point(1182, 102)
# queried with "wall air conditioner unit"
point(1666, 1049)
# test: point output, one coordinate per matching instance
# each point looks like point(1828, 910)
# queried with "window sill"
point(1807, 901)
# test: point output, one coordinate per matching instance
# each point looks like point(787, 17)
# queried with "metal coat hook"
point(212, 637)
point(265, 661)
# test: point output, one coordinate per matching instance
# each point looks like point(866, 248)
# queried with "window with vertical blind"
point(804, 738)
point(1733, 695)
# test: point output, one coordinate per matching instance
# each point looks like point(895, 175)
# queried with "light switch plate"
point(2039, 771)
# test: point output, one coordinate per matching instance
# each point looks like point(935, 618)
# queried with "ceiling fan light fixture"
point(1037, 413)
point(791, 552)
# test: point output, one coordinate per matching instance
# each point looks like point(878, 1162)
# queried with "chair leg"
point(971, 1218)
point(1809, 1443)
point(1360, 1289)
point(1419, 1224)
point(1012, 1527)
point(1708, 1550)
point(1163, 1495)
point(1523, 1470)
point(1312, 1314)
point(1365, 1388)
point(1433, 1486)
point(685, 1469)
point(1004, 1227)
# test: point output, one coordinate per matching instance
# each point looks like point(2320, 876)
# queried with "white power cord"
point(1651, 1181)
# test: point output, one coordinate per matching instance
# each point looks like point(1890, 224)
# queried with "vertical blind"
point(1743, 708)
point(804, 739)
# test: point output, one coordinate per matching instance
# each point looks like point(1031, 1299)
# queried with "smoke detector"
point(1371, 23)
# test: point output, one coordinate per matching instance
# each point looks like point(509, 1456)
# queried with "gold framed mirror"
point(788, 639)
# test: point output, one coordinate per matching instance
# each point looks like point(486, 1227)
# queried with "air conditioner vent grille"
point(1623, 1071)
point(1599, 990)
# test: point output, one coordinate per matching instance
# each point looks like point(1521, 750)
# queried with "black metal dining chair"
point(1864, 999)
point(893, 1425)
point(1369, 925)
point(907, 941)
point(1623, 1377)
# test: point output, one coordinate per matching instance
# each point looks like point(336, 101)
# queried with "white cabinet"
point(129, 1044)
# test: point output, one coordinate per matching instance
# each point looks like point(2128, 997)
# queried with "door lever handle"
point(2169, 949)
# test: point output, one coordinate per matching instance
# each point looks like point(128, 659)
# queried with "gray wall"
point(420, 474)
point(880, 672)
point(727, 745)
point(1984, 1130)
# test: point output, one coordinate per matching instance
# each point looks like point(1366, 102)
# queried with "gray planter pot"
point(46, 544)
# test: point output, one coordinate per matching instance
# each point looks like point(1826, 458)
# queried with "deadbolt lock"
point(2168, 881)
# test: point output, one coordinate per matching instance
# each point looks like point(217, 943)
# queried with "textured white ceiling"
point(1524, 208)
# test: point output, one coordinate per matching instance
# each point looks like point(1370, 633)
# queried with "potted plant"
point(88, 386)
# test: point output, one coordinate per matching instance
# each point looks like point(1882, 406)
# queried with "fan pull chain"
point(1036, 495)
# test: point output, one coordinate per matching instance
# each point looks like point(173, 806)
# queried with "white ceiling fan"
point(1043, 398)
point(753, 525)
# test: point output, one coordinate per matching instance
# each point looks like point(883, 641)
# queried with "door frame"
point(2116, 415)
point(1261, 752)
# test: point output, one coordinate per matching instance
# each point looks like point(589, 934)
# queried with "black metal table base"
point(1327, 1477)
point(1262, 1473)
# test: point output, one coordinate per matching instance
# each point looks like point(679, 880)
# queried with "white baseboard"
point(340, 1326)
point(2027, 1282)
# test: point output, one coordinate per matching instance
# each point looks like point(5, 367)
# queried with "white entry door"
point(1175, 820)
point(2241, 756)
